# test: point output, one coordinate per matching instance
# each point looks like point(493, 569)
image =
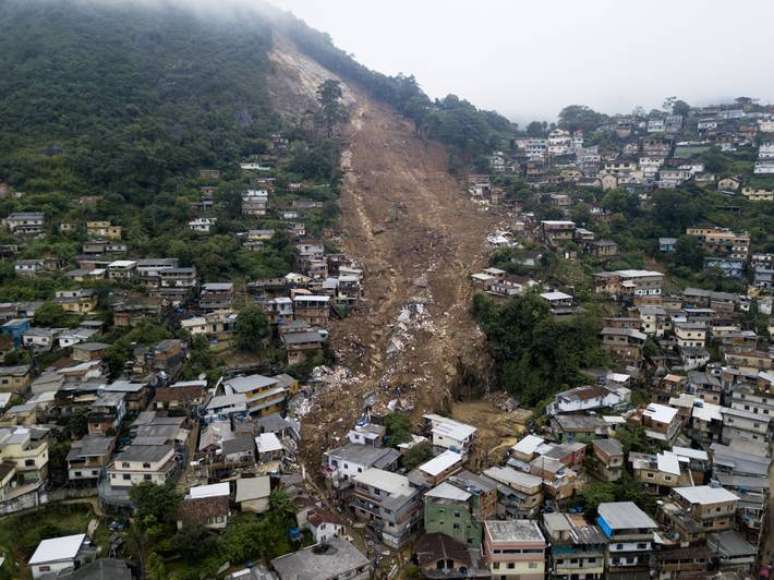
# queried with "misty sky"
point(529, 59)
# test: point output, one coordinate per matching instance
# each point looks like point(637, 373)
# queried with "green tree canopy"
point(251, 329)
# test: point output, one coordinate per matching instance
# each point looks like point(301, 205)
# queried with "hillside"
point(125, 99)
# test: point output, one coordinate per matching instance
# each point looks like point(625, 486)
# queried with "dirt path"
point(419, 238)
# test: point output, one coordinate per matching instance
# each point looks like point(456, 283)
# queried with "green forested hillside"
point(123, 99)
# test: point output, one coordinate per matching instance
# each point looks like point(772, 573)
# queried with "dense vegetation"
point(125, 99)
point(535, 353)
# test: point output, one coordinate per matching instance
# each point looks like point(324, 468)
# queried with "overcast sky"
point(529, 59)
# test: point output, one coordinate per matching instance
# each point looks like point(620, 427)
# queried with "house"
point(78, 301)
point(570, 428)
point(341, 465)
point(87, 457)
point(577, 547)
point(729, 184)
point(450, 434)
point(667, 245)
point(138, 463)
point(270, 448)
point(693, 512)
point(519, 494)
point(55, 555)
point(263, 395)
point(100, 569)
point(588, 398)
point(210, 511)
point(437, 469)
point(202, 224)
point(26, 448)
point(302, 345)
point(89, 351)
point(554, 231)
point(313, 309)
point(630, 536)
point(514, 548)
point(603, 248)
point(15, 379)
point(389, 503)
point(609, 456)
point(623, 343)
point(722, 242)
point(337, 559)
point(216, 296)
point(186, 399)
point(29, 267)
point(440, 555)
point(324, 525)
point(40, 339)
point(733, 552)
point(660, 471)
point(690, 334)
point(726, 267)
point(660, 422)
point(370, 434)
point(103, 230)
point(28, 223)
point(758, 194)
point(252, 494)
point(739, 424)
point(457, 507)
point(629, 283)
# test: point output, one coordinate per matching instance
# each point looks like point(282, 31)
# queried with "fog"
point(529, 59)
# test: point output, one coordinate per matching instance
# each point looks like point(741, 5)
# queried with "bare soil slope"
point(419, 237)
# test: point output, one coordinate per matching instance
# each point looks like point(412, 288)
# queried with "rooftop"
point(514, 531)
point(705, 494)
point(336, 559)
point(57, 549)
point(625, 515)
point(392, 483)
point(441, 463)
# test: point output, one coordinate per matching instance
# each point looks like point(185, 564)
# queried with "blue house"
point(667, 245)
point(15, 329)
point(729, 267)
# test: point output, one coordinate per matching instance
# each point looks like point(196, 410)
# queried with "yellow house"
point(80, 301)
point(103, 230)
point(27, 449)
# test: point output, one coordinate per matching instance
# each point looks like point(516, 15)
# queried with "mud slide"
point(419, 238)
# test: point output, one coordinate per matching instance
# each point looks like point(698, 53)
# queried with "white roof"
point(707, 412)
point(637, 273)
point(393, 483)
point(690, 453)
point(614, 419)
point(122, 264)
point(55, 549)
point(660, 413)
point(252, 488)
point(555, 296)
point(5, 398)
point(444, 461)
point(528, 445)
point(450, 428)
point(267, 442)
point(706, 494)
point(448, 491)
point(668, 463)
point(212, 490)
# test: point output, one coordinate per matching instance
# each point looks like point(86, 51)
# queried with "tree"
point(689, 253)
point(251, 329)
point(417, 455)
point(50, 315)
point(398, 428)
point(536, 129)
point(155, 503)
point(332, 112)
point(580, 117)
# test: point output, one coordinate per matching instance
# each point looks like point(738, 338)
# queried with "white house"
point(203, 225)
point(138, 463)
point(57, 554)
point(588, 398)
point(451, 434)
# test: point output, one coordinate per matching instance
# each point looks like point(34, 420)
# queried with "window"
point(511, 565)
point(125, 464)
point(456, 526)
point(127, 477)
point(77, 474)
point(533, 564)
point(29, 462)
point(147, 477)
